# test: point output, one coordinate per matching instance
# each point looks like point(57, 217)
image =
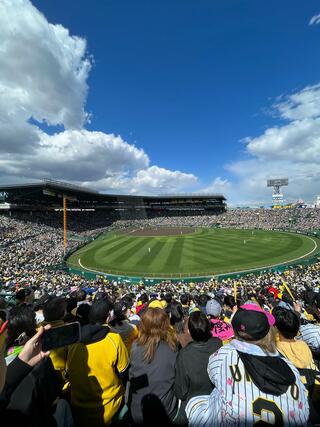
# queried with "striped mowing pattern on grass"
point(205, 252)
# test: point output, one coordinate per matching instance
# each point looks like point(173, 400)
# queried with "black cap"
point(82, 311)
point(20, 294)
point(252, 323)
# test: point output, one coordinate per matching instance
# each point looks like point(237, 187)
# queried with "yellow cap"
point(157, 304)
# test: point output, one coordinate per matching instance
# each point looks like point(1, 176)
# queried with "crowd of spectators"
point(301, 219)
point(30, 244)
point(297, 219)
point(169, 353)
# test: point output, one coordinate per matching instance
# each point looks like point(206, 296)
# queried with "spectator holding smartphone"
point(30, 395)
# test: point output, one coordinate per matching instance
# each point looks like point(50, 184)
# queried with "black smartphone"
point(61, 336)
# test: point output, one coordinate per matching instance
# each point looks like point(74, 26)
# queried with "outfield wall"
point(153, 280)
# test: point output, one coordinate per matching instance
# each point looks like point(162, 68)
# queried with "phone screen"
point(61, 336)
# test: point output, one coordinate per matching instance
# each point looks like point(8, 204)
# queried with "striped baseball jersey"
point(236, 400)
point(311, 335)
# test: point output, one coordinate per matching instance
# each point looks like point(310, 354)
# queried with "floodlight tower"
point(276, 184)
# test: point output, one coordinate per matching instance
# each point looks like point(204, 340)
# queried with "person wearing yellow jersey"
point(297, 351)
point(97, 368)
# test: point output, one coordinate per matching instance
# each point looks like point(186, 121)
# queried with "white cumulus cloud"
point(297, 141)
point(43, 68)
point(43, 79)
point(163, 180)
point(148, 181)
point(43, 76)
point(315, 20)
point(77, 155)
point(304, 104)
point(289, 150)
point(218, 186)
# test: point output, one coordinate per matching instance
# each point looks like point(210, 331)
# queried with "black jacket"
point(191, 371)
point(29, 394)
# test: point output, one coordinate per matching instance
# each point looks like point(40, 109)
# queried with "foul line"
point(99, 272)
point(212, 275)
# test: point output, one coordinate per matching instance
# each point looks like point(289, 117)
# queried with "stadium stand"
point(138, 342)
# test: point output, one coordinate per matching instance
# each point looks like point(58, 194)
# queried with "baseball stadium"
point(177, 237)
point(159, 213)
point(92, 275)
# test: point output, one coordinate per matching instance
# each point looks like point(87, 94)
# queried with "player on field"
point(253, 384)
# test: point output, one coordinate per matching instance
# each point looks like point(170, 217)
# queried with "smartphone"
point(61, 336)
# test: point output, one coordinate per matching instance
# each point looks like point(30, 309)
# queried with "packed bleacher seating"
point(268, 219)
point(163, 354)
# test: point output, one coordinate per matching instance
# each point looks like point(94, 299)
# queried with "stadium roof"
point(59, 189)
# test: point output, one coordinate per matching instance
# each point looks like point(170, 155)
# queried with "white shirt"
point(311, 335)
point(236, 400)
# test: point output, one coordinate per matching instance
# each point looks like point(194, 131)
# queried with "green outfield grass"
point(205, 252)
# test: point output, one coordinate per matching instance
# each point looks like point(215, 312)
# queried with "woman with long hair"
point(152, 370)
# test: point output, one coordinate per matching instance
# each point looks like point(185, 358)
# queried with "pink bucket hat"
point(255, 307)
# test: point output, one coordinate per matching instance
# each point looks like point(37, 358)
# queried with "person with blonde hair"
point(152, 370)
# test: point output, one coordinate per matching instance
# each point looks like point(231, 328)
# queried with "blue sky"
point(187, 82)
